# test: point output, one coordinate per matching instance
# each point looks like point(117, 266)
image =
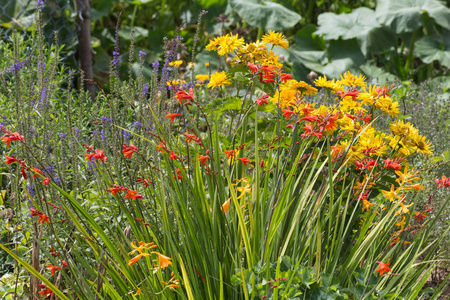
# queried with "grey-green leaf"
point(265, 14)
point(436, 47)
point(406, 15)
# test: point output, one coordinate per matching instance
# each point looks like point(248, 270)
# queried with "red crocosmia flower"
point(287, 113)
point(36, 170)
point(43, 219)
point(190, 137)
point(383, 91)
point(35, 212)
point(24, 174)
point(229, 153)
point(172, 117)
point(147, 224)
point(261, 165)
point(182, 95)
point(53, 268)
point(11, 159)
point(202, 159)
point(443, 182)
point(261, 101)
point(286, 77)
point(133, 195)
point(389, 163)
point(144, 181)
point(306, 111)
point(310, 119)
point(253, 67)
point(419, 216)
point(46, 181)
point(352, 94)
point(116, 188)
point(64, 264)
point(9, 137)
point(46, 292)
point(161, 147)
point(384, 268)
point(367, 119)
point(290, 126)
point(173, 155)
point(359, 165)
point(63, 221)
point(351, 116)
point(129, 150)
point(331, 122)
point(178, 171)
point(244, 160)
point(98, 154)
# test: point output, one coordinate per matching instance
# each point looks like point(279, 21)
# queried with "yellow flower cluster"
point(291, 94)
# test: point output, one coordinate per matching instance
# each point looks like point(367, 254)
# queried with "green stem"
point(409, 61)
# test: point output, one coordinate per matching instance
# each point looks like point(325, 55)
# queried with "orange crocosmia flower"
point(173, 155)
point(98, 154)
point(116, 188)
point(173, 286)
point(46, 181)
point(244, 160)
point(133, 195)
point(10, 159)
point(53, 268)
point(47, 292)
point(43, 219)
point(163, 261)
point(384, 268)
point(190, 137)
point(183, 95)
point(331, 122)
point(202, 159)
point(178, 174)
point(389, 163)
point(419, 216)
point(172, 117)
point(226, 206)
point(137, 258)
point(138, 292)
point(9, 137)
point(129, 150)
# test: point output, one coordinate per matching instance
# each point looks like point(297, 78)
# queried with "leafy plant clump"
point(240, 182)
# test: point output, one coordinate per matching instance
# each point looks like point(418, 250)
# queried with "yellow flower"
point(418, 143)
point(366, 205)
point(330, 85)
point(390, 194)
point(402, 223)
point(225, 44)
point(175, 82)
point(207, 65)
point(405, 176)
point(302, 87)
point(403, 209)
point(252, 52)
point(399, 128)
point(142, 246)
point(351, 80)
point(202, 77)
point(244, 190)
point(176, 63)
point(218, 79)
point(275, 38)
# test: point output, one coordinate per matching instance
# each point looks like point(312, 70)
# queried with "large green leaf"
point(378, 75)
point(360, 24)
point(406, 15)
point(436, 47)
point(265, 14)
point(343, 56)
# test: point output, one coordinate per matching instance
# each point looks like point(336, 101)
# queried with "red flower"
point(287, 113)
point(202, 159)
point(35, 212)
point(172, 117)
point(99, 154)
point(253, 67)
point(145, 181)
point(229, 153)
point(10, 159)
point(36, 170)
point(261, 101)
point(189, 137)
point(161, 147)
point(384, 268)
point(129, 150)
point(116, 188)
point(419, 216)
point(285, 77)
point(64, 264)
point(46, 181)
point(310, 119)
point(182, 95)
point(244, 160)
point(47, 292)
point(389, 163)
point(53, 268)
point(178, 174)
point(444, 182)
point(367, 119)
point(173, 155)
point(133, 195)
point(43, 219)
point(9, 137)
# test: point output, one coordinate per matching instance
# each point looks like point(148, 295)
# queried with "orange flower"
point(46, 292)
point(384, 268)
point(163, 261)
point(137, 258)
point(53, 268)
point(172, 117)
point(116, 188)
point(9, 137)
point(287, 113)
point(129, 150)
point(202, 159)
point(173, 155)
point(226, 206)
point(43, 218)
point(98, 154)
point(229, 153)
point(133, 195)
point(161, 147)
